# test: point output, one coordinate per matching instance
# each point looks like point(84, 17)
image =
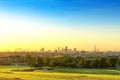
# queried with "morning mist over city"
point(59, 39)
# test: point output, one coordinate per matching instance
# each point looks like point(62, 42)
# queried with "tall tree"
point(95, 63)
point(118, 62)
point(103, 63)
point(113, 61)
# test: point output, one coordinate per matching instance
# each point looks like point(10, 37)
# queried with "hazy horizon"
point(81, 24)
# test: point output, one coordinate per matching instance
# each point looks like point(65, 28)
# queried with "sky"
point(81, 24)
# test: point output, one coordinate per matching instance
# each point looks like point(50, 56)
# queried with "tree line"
point(74, 62)
point(62, 61)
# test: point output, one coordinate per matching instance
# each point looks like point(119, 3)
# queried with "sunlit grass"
point(5, 72)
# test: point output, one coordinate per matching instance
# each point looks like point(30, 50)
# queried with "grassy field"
point(58, 74)
point(88, 71)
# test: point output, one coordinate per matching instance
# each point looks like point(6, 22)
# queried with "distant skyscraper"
point(58, 48)
point(66, 49)
point(75, 49)
point(42, 50)
point(95, 49)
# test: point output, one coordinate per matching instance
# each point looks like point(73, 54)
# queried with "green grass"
point(57, 74)
point(88, 71)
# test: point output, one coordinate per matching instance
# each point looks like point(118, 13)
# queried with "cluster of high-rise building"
point(61, 52)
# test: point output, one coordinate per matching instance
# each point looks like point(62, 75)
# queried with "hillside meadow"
point(7, 73)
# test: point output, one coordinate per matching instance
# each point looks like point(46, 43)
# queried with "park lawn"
point(88, 71)
point(57, 74)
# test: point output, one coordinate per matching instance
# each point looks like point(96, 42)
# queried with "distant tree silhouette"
point(118, 62)
point(103, 63)
point(95, 63)
point(112, 61)
point(37, 63)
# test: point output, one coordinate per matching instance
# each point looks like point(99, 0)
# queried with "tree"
point(112, 61)
point(28, 59)
point(37, 63)
point(81, 63)
point(52, 63)
point(87, 63)
point(118, 62)
point(95, 63)
point(103, 63)
point(46, 61)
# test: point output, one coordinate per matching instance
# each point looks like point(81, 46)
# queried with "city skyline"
point(33, 24)
point(57, 49)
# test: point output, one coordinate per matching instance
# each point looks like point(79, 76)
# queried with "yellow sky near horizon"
point(29, 33)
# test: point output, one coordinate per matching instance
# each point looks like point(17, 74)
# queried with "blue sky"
point(90, 20)
point(63, 7)
point(77, 10)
